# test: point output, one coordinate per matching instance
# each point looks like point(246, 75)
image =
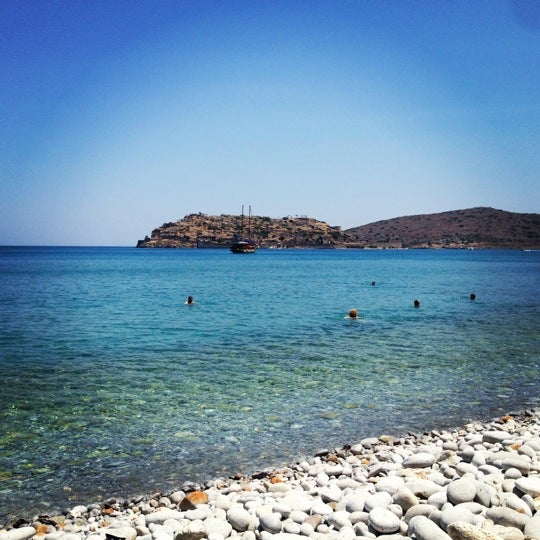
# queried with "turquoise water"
point(111, 385)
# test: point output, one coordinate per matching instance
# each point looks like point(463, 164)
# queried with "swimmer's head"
point(353, 314)
point(473, 296)
point(416, 303)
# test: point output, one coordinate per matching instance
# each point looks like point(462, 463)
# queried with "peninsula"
point(477, 228)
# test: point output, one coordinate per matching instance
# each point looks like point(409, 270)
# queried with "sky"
point(117, 116)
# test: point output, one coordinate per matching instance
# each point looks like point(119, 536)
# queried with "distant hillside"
point(472, 228)
point(475, 227)
point(201, 230)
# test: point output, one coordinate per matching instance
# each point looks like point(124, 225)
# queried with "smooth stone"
point(22, 533)
point(270, 522)
point(198, 513)
point(484, 494)
point(335, 470)
point(495, 436)
point(511, 500)
point(424, 488)
point(282, 509)
point(529, 485)
point(217, 526)
point(163, 515)
point(464, 468)
point(489, 469)
point(419, 510)
point(438, 499)
point(532, 527)
point(177, 497)
point(405, 498)
point(321, 509)
point(524, 467)
point(369, 442)
point(345, 533)
point(122, 533)
point(361, 529)
point(396, 509)
point(298, 501)
point(56, 535)
point(239, 518)
point(383, 520)
point(280, 487)
point(473, 507)
point(506, 517)
point(291, 527)
point(424, 529)
point(281, 536)
point(357, 517)
point(420, 460)
point(390, 484)
point(465, 531)
point(193, 530)
point(512, 473)
point(331, 493)
point(222, 501)
point(479, 459)
point(453, 514)
point(297, 516)
point(508, 485)
point(379, 499)
point(315, 520)
point(466, 453)
point(339, 519)
point(460, 491)
point(534, 444)
point(355, 503)
point(306, 529)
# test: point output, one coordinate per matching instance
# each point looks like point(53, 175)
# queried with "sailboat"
point(241, 244)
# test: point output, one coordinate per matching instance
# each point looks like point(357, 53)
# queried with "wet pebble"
point(478, 482)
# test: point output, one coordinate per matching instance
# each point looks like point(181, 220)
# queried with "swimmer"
point(473, 296)
point(190, 300)
point(353, 314)
point(373, 283)
point(416, 303)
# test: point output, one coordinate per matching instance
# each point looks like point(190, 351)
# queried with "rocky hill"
point(471, 228)
point(201, 230)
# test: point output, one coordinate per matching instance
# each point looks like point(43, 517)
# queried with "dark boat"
point(241, 244)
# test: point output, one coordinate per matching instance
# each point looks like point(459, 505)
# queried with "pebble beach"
point(477, 482)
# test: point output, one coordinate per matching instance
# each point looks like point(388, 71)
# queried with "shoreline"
point(479, 481)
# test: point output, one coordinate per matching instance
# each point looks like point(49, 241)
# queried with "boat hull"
point(243, 247)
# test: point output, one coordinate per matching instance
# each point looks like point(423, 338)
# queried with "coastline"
point(479, 481)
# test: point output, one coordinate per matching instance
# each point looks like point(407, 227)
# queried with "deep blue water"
point(112, 386)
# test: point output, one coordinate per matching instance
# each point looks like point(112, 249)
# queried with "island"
point(474, 228)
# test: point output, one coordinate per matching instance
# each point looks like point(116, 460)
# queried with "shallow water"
point(111, 385)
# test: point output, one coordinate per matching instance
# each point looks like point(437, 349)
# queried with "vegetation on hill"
point(472, 228)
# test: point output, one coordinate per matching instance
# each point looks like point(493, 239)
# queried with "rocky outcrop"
point(201, 230)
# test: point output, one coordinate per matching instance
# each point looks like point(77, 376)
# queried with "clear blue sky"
point(117, 116)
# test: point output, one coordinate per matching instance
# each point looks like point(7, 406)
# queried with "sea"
point(112, 386)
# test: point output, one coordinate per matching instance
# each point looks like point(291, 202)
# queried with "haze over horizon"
point(119, 116)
